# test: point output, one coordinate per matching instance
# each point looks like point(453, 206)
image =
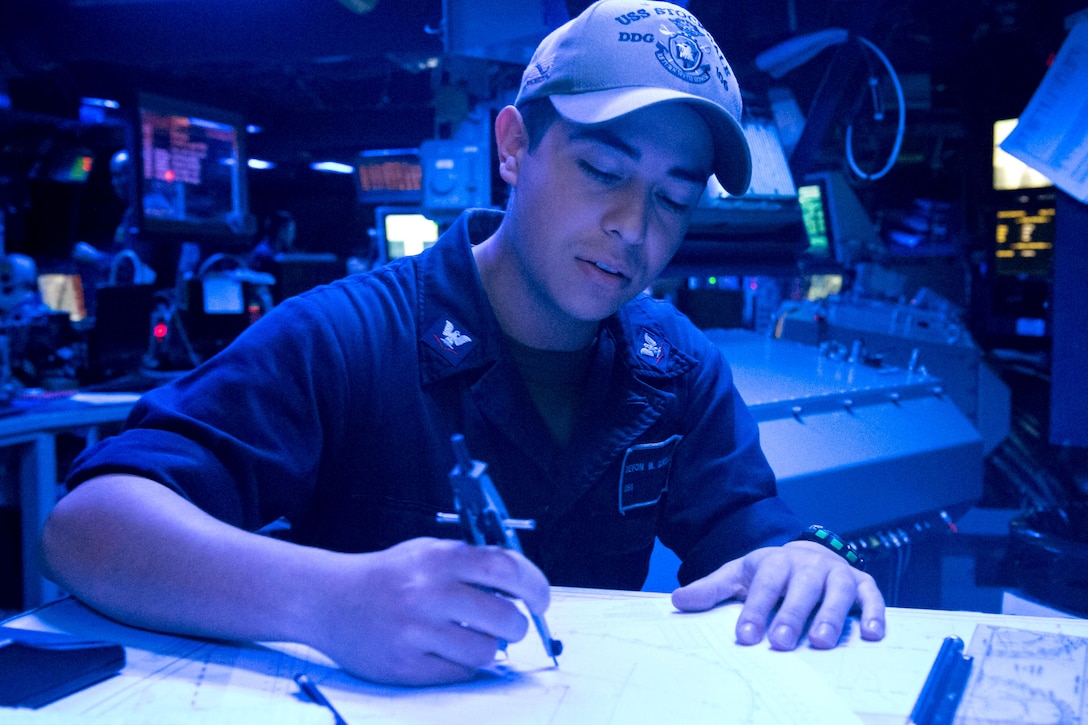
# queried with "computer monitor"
point(403, 231)
point(191, 170)
point(1009, 172)
point(297, 272)
point(814, 214)
point(389, 176)
point(119, 338)
point(64, 164)
point(823, 274)
point(63, 293)
point(1024, 234)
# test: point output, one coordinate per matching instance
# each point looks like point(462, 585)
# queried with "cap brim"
point(732, 157)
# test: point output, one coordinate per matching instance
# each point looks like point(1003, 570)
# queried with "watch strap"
point(831, 540)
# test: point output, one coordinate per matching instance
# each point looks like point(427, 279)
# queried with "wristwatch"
point(826, 537)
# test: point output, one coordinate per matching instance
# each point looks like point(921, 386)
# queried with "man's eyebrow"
point(608, 137)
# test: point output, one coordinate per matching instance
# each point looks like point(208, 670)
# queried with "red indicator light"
point(160, 331)
point(169, 175)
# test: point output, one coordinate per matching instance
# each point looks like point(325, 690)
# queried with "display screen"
point(404, 232)
point(192, 176)
point(814, 216)
point(1010, 173)
point(1024, 236)
point(66, 165)
point(63, 293)
point(824, 277)
point(390, 176)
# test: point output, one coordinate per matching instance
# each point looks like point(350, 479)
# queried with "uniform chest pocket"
point(643, 482)
point(644, 474)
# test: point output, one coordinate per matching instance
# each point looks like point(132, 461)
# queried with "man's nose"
point(628, 213)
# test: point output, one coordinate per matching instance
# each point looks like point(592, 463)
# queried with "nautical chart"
point(1025, 677)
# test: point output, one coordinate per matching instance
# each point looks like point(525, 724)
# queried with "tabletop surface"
point(628, 657)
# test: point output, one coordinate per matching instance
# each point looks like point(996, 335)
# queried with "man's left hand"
point(811, 582)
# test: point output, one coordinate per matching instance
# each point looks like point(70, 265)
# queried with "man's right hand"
point(423, 612)
point(426, 611)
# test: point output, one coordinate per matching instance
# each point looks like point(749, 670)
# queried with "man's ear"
point(512, 142)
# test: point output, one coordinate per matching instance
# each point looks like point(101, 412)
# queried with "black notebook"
point(37, 668)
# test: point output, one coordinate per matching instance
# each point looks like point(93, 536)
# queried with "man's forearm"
point(138, 552)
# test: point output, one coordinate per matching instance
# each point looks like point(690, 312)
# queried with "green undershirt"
point(555, 380)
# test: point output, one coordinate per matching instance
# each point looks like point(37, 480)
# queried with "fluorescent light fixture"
point(381, 153)
point(260, 164)
point(334, 167)
point(100, 102)
point(360, 7)
point(214, 125)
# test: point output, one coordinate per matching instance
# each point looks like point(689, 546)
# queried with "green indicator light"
point(713, 280)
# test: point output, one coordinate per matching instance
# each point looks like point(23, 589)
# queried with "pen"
point(943, 688)
point(310, 688)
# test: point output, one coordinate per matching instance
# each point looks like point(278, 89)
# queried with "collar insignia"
point(449, 340)
point(654, 350)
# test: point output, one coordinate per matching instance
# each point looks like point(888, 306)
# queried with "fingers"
point(477, 611)
point(481, 610)
point(708, 592)
point(873, 624)
point(504, 571)
point(825, 607)
point(839, 592)
point(458, 645)
point(426, 611)
point(788, 590)
point(770, 579)
point(842, 589)
point(473, 588)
